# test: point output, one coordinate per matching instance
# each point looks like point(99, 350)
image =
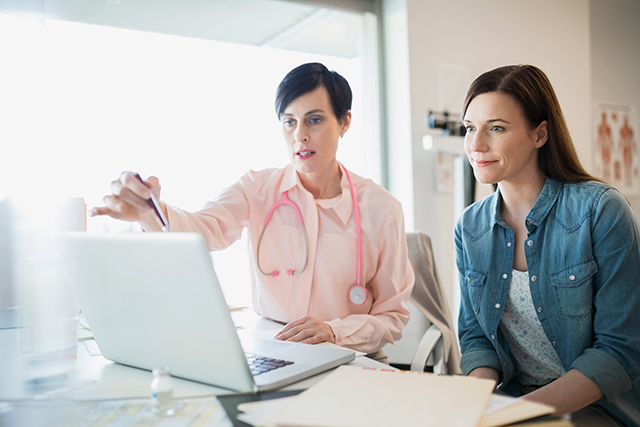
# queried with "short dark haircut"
point(307, 78)
point(532, 90)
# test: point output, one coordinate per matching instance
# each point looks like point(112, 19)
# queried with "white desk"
point(93, 377)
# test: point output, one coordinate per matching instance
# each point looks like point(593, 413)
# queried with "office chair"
point(429, 341)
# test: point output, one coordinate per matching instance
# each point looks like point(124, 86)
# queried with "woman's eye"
point(469, 129)
point(315, 120)
point(289, 122)
point(497, 128)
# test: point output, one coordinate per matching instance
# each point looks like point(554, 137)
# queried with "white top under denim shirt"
point(536, 360)
point(583, 260)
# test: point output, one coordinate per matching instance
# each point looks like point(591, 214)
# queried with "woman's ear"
point(542, 133)
point(346, 123)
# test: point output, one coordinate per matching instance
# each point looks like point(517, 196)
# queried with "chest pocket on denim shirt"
point(475, 281)
point(574, 288)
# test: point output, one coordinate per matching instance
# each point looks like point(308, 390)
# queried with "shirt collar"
point(496, 203)
point(290, 179)
point(546, 200)
point(541, 208)
point(343, 208)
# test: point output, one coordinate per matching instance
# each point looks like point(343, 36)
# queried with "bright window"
point(88, 101)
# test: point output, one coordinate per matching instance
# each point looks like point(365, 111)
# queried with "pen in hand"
point(153, 202)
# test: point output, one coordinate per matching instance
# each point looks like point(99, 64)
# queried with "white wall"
point(615, 58)
point(478, 36)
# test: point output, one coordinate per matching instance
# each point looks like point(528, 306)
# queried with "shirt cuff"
point(337, 332)
point(478, 357)
point(603, 369)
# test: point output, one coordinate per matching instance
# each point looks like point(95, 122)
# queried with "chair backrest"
point(429, 308)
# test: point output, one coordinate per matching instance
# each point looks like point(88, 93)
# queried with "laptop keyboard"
point(260, 364)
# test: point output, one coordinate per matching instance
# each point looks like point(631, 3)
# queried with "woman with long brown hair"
point(549, 263)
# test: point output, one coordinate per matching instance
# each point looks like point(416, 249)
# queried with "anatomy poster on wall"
point(617, 159)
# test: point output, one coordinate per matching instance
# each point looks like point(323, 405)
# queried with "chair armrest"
point(430, 344)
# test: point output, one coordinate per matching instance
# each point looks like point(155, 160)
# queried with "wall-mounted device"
point(450, 123)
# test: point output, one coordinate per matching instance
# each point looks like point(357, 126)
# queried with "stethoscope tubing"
point(356, 211)
point(357, 293)
point(306, 244)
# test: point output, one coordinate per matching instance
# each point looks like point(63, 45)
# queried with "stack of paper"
point(364, 397)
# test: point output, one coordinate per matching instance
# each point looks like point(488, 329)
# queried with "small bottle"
point(162, 393)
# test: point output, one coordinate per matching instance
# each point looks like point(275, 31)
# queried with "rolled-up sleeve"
point(613, 362)
point(477, 350)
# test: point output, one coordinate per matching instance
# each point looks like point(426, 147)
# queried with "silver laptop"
point(153, 299)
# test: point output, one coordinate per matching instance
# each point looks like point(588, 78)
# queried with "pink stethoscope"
point(357, 293)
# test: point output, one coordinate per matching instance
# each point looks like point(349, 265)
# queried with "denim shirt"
point(583, 258)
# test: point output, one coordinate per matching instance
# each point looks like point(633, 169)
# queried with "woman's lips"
point(483, 163)
point(305, 154)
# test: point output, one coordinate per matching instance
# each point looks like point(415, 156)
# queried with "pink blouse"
point(321, 290)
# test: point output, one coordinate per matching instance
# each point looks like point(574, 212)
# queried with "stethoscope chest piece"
point(358, 294)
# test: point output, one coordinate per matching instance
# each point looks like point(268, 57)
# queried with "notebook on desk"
point(153, 299)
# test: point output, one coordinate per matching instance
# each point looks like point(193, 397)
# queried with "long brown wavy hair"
point(531, 88)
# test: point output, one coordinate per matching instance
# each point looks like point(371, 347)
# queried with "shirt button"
point(528, 222)
point(493, 337)
point(504, 364)
point(530, 243)
point(534, 278)
point(539, 309)
point(497, 305)
point(509, 244)
point(468, 279)
point(501, 222)
point(572, 277)
point(504, 276)
point(553, 343)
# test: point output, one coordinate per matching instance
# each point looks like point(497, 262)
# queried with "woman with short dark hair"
point(327, 247)
point(549, 263)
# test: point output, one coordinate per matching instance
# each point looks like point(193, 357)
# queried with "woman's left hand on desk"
point(307, 330)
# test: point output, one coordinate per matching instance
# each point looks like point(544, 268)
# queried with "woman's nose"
point(301, 134)
point(475, 142)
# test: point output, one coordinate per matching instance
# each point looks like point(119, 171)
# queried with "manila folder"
point(363, 397)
